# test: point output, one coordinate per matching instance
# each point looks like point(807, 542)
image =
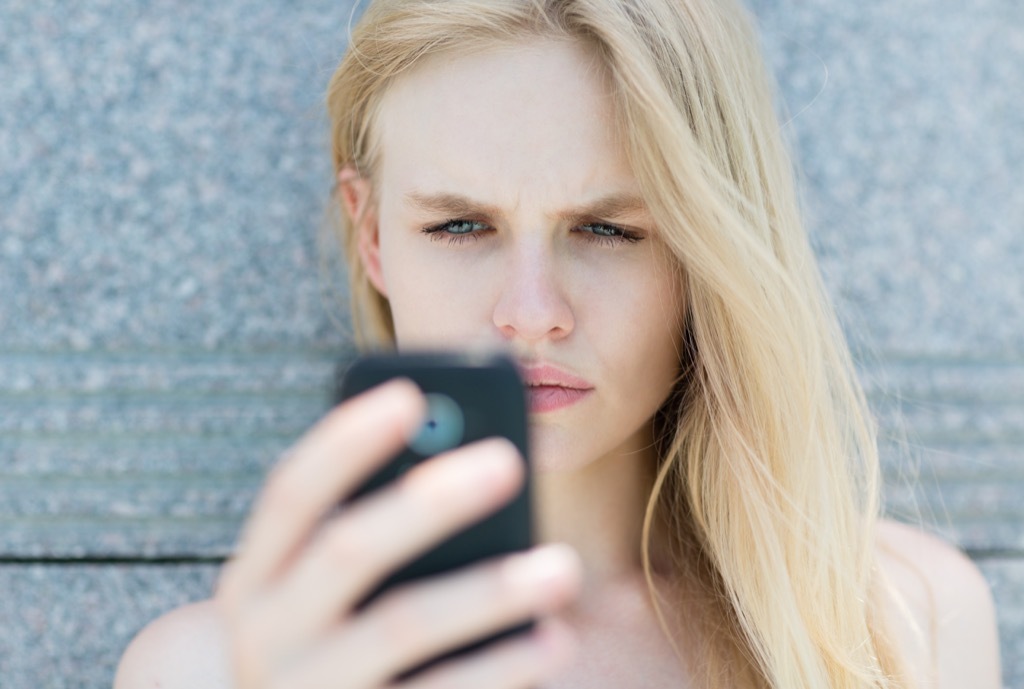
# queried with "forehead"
point(514, 118)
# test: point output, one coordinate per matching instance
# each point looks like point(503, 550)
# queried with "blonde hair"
point(769, 470)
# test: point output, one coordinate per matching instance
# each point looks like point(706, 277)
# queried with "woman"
point(598, 187)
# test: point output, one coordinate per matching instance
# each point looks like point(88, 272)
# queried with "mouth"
point(550, 388)
point(549, 398)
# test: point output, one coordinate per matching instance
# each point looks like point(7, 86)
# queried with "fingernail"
point(551, 568)
point(469, 472)
point(497, 464)
point(399, 387)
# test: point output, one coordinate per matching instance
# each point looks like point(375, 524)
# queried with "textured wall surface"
point(165, 330)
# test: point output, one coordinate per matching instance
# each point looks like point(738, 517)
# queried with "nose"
point(532, 304)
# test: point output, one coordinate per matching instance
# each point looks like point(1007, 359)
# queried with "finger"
point(382, 531)
point(518, 663)
point(421, 621)
point(329, 460)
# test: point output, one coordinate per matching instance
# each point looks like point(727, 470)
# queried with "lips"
point(550, 388)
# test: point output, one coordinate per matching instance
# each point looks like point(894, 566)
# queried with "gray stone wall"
point(165, 329)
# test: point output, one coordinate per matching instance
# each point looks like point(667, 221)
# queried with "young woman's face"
point(508, 216)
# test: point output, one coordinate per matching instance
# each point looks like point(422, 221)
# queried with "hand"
point(288, 596)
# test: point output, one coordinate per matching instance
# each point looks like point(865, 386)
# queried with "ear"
point(357, 197)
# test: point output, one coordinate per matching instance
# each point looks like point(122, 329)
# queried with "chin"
point(552, 452)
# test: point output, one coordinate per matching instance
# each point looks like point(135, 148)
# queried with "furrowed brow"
point(454, 205)
point(612, 206)
point(451, 205)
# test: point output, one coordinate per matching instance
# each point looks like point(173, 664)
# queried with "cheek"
point(639, 310)
point(433, 302)
point(643, 336)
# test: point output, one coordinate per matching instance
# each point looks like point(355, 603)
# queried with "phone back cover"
point(490, 393)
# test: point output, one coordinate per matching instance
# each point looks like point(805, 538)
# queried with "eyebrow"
point(455, 205)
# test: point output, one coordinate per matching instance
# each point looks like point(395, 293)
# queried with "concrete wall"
point(164, 333)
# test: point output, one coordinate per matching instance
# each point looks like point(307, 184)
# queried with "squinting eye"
point(611, 234)
point(456, 231)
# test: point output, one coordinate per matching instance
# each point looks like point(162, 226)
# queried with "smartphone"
point(469, 397)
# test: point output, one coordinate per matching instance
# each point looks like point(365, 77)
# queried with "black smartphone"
point(469, 398)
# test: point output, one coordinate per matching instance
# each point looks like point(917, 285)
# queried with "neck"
point(599, 510)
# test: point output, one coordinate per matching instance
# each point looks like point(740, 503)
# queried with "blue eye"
point(609, 234)
point(457, 231)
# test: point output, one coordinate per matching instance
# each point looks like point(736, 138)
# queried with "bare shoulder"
point(183, 648)
point(942, 613)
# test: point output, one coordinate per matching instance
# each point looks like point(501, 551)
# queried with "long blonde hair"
point(769, 469)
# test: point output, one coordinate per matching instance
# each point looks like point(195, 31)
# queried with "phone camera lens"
point(443, 428)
